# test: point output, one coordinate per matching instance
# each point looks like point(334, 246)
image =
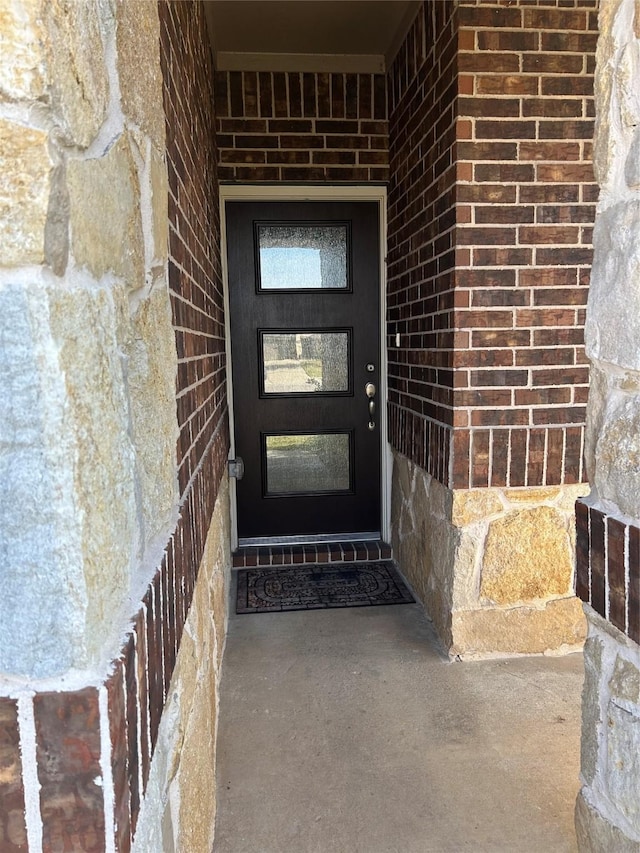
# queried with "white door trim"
point(269, 192)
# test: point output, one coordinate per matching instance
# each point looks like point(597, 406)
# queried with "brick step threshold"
point(329, 552)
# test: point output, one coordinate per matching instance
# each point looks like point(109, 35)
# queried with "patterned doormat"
point(314, 587)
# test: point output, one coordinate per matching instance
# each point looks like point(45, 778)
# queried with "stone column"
point(608, 807)
point(88, 430)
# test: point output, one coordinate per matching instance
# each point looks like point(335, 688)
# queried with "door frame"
point(270, 192)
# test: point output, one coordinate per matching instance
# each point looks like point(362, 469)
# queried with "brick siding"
point(421, 252)
point(608, 567)
point(490, 125)
point(301, 127)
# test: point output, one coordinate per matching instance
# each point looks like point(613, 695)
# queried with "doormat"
point(315, 587)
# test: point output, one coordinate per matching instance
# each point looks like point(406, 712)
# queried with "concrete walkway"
point(348, 730)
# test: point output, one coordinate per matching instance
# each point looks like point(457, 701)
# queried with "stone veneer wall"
point(490, 111)
point(104, 527)
point(608, 521)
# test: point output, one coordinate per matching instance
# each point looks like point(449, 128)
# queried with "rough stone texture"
point(615, 287)
point(596, 834)
point(76, 65)
point(606, 142)
point(88, 448)
point(609, 809)
point(178, 812)
point(150, 369)
point(84, 325)
point(424, 540)
point(623, 738)
point(106, 227)
point(624, 759)
point(527, 556)
point(476, 550)
point(40, 544)
point(475, 505)
point(160, 206)
point(140, 82)
point(601, 384)
point(25, 175)
point(625, 681)
point(520, 630)
point(591, 716)
point(21, 70)
point(617, 454)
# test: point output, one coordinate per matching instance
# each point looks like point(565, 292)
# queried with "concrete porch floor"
point(349, 730)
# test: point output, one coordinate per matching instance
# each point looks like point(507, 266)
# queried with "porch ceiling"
point(307, 35)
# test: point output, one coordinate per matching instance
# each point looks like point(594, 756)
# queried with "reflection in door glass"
point(306, 464)
point(303, 257)
point(305, 362)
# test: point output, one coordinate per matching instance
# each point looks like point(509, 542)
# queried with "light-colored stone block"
point(159, 207)
point(614, 95)
point(25, 177)
point(612, 327)
point(596, 834)
point(601, 385)
point(623, 764)
point(21, 70)
point(617, 454)
point(424, 540)
point(518, 630)
point(625, 681)
point(474, 505)
point(591, 718)
point(43, 601)
point(138, 35)
point(527, 556)
point(106, 227)
point(533, 496)
point(78, 77)
point(150, 370)
point(84, 324)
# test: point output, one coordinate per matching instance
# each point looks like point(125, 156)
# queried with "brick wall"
point(421, 251)
point(195, 277)
point(525, 209)
point(301, 127)
point(608, 567)
point(490, 127)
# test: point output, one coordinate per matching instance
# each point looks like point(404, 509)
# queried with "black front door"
point(305, 351)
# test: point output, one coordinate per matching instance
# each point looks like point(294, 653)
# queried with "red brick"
point(491, 62)
point(555, 19)
point(506, 84)
point(552, 63)
point(501, 40)
point(520, 173)
point(491, 129)
point(478, 16)
point(498, 107)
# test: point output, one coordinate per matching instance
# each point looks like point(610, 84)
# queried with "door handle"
point(370, 391)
